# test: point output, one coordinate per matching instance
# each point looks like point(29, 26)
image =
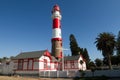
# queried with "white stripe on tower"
point(56, 33)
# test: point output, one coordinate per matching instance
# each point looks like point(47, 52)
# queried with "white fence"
point(53, 74)
point(69, 74)
point(108, 73)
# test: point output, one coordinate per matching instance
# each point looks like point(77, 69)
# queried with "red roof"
point(56, 8)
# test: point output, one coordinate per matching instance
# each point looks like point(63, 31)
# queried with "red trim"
point(56, 39)
point(47, 53)
point(27, 64)
point(56, 23)
point(33, 69)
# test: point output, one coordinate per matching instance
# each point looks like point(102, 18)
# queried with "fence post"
point(49, 74)
point(67, 73)
point(57, 74)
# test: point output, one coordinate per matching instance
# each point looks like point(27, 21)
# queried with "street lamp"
point(63, 49)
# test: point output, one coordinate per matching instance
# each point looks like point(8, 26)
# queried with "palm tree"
point(105, 42)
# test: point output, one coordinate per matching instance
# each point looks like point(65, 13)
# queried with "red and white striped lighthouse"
point(56, 33)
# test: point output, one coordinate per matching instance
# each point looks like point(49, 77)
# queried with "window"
point(55, 65)
point(72, 64)
point(65, 64)
point(30, 64)
point(45, 63)
point(20, 64)
point(76, 64)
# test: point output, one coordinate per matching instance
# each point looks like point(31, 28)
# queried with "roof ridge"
point(32, 51)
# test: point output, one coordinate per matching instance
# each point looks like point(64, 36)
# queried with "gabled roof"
point(33, 54)
point(71, 57)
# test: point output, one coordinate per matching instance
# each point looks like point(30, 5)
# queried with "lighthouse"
point(56, 33)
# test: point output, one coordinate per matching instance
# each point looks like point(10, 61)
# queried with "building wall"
point(75, 64)
point(71, 65)
point(29, 64)
point(36, 64)
point(46, 65)
point(1, 66)
point(83, 65)
point(7, 68)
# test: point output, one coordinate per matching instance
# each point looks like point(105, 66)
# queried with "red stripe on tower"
point(56, 23)
point(56, 33)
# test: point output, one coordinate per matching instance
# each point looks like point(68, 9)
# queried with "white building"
point(36, 61)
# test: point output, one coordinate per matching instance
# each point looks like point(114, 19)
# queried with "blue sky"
point(26, 25)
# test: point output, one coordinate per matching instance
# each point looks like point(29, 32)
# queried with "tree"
point(118, 57)
point(81, 50)
point(73, 45)
point(118, 44)
point(92, 64)
point(92, 67)
point(5, 58)
point(105, 42)
point(85, 55)
point(114, 60)
point(0, 60)
point(98, 62)
point(105, 61)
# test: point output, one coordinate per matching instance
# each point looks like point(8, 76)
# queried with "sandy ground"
point(28, 78)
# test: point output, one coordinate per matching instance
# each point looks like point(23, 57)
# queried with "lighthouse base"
point(57, 49)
